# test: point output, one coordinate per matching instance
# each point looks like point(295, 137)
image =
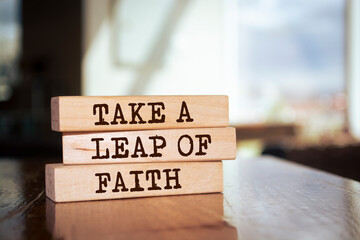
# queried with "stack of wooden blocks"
point(139, 146)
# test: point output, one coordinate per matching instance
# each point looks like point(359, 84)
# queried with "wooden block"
point(196, 144)
point(110, 181)
point(78, 114)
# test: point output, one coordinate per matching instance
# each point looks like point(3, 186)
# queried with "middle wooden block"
point(196, 144)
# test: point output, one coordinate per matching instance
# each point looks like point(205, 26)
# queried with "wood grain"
point(264, 198)
point(112, 181)
point(79, 113)
point(197, 144)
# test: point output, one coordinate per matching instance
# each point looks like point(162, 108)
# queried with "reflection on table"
point(174, 217)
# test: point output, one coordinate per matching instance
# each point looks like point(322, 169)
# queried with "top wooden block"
point(79, 113)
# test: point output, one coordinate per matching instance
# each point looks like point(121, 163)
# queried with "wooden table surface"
point(264, 198)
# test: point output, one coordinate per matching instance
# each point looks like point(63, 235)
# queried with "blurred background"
point(291, 69)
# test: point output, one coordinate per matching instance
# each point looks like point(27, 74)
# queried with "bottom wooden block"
point(111, 181)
